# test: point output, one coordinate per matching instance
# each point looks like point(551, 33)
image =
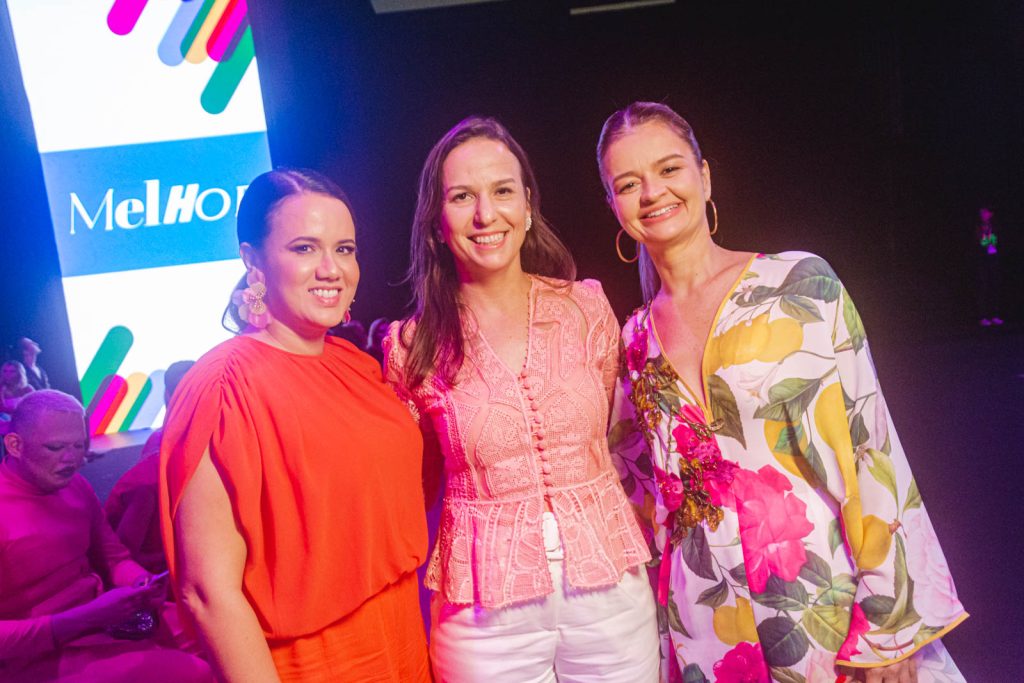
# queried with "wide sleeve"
point(905, 596)
point(206, 414)
point(630, 451)
point(395, 355)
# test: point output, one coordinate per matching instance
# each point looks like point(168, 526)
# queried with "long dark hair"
point(436, 345)
point(622, 122)
point(258, 204)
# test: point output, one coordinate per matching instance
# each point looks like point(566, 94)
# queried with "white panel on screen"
point(88, 87)
point(174, 312)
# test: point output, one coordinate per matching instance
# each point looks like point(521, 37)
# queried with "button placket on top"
point(530, 387)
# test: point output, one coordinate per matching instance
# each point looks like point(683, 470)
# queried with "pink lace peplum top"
point(513, 443)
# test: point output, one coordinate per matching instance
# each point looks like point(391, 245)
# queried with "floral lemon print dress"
point(788, 531)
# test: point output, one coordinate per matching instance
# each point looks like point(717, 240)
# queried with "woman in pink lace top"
point(509, 366)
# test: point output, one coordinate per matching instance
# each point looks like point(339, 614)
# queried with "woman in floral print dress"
point(750, 430)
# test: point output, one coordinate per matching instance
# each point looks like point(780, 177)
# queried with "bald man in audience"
point(66, 582)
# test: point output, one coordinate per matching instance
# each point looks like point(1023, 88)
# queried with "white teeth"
point(325, 293)
point(488, 239)
point(655, 214)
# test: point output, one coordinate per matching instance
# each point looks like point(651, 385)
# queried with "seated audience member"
point(132, 505)
point(14, 385)
point(30, 351)
point(375, 338)
point(65, 579)
point(351, 330)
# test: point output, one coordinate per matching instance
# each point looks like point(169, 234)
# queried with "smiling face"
point(49, 450)
point(484, 208)
point(309, 261)
point(655, 185)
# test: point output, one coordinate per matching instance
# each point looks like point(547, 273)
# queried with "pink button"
point(540, 447)
point(543, 456)
point(533, 405)
point(550, 489)
point(546, 468)
point(539, 434)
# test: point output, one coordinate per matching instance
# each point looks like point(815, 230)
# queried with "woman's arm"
point(210, 560)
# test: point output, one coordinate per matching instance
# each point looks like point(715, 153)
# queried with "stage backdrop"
point(149, 123)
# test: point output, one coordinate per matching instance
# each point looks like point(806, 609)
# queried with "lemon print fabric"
point(824, 554)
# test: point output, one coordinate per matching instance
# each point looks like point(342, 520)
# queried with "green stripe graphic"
point(186, 43)
point(137, 406)
point(107, 360)
point(228, 75)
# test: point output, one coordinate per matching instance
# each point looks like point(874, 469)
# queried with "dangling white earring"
point(529, 222)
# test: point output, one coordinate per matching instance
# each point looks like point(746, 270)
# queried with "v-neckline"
point(529, 334)
point(699, 400)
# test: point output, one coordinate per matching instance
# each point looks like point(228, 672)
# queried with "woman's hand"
point(108, 609)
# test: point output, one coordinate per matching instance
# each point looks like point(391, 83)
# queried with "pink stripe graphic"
point(227, 29)
point(124, 14)
point(107, 405)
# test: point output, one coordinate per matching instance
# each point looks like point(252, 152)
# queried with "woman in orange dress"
point(292, 510)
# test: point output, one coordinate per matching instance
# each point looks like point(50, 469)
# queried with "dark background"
point(868, 133)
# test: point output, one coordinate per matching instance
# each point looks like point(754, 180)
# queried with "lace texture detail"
point(511, 440)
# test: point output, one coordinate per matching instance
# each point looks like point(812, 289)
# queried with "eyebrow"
point(306, 238)
point(660, 161)
point(496, 183)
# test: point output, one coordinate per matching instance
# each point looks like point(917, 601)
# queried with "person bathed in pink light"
point(65, 579)
point(510, 366)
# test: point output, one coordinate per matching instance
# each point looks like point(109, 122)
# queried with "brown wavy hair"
point(436, 345)
point(619, 124)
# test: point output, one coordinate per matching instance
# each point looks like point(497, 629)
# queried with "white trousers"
point(571, 636)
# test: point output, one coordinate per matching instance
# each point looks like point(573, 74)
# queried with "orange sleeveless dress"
point(322, 464)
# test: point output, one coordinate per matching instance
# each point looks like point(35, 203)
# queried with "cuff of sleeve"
point(909, 653)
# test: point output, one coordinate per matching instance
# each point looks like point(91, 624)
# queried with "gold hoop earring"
point(618, 248)
point(714, 213)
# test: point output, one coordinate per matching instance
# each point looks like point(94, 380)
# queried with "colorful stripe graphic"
point(228, 29)
point(124, 14)
point(170, 45)
point(218, 29)
point(116, 404)
point(195, 50)
point(228, 75)
point(101, 411)
point(149, 406)
point(108, 359)
point(134, 386)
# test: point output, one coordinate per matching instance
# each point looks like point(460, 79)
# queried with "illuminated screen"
point(149, 123)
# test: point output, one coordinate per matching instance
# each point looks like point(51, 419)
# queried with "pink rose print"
point(687, 440)
point(636, 352)
point(772, 525)
point(858, 626)
point(742, 664)
point(934, 593)
point(671, 487)
point(718, 480)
